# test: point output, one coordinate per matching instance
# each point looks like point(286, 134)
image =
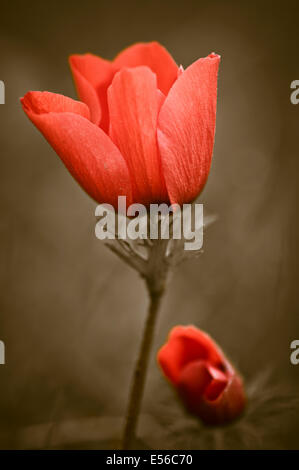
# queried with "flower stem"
point(139, 375)
point(156, 286)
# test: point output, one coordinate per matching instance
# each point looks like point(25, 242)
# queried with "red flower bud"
point(205, 380)
point(144, 127)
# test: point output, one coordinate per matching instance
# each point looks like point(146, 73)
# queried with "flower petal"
point(218, 383)
point(199, 380)
point(186, 128)
point(88, 153)
point(194, 379)
point(155, 57)
point(92, 76)
point(216, 399)
point(134, 103)
point(185, 345)
point(206, 382)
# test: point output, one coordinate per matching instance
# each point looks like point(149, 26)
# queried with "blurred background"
point(71, 313)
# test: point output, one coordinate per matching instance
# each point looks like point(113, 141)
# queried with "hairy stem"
point(155, 281)
point(139, 375)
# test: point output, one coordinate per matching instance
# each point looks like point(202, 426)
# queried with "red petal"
point(134, 104)
point(187, 344)
point(218, 383)
point(200, 380)
point(92, 76)
point(155, 57)
point(226, 407)
point(206, 392)
point(37, 102)
point(186, 128)
point(88, 153)
point(205, 380)
point(193, 381)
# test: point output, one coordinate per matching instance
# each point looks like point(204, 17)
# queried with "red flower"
point(144, 129)
point(205, 380)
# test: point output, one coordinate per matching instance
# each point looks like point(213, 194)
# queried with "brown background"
point(71, 313)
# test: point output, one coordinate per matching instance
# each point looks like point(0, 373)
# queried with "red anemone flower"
point(144, 127)
point(205, 380)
